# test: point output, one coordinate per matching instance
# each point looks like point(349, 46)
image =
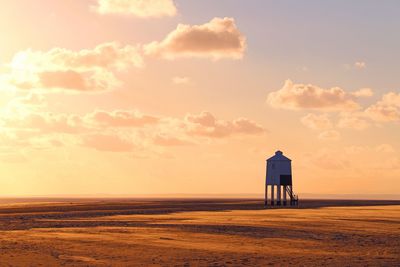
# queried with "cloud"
point(385, 148)
point(120, 118)
point(385, 110)
point(317, 122)
point(70, 80)
point(116, 130)
point(329, 160)
point(84, 70)
point(363, 92)
point(330, 135)
point(165, 140)
point(307, 96)
point(138, 8)
point(353, 120)
point(246, 126)
point(107, 142)
point(28, 102)
point(360, 65)
point(205, 124)
point(106, 55)
point(351, 150)
point(216, 39)
point(357, 160)
point(43, 122)
point(377, 150)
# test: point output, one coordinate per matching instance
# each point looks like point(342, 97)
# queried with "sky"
point(191, 97)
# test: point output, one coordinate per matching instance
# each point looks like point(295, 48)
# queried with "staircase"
point(294, 199)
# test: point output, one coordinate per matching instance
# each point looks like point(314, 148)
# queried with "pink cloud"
point(107, 142)
point(216, 39)
point(121, 118)
point(205, 124)
point(306, 96)
point(353, 120)
point(165, 140)
point(44, 122)
point(64, 79)
point(317, 122)
point(106, 55)
point(387, 109)
point(117, 130)
point(83, 70)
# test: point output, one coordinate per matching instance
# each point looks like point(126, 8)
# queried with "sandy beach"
point(127, 232)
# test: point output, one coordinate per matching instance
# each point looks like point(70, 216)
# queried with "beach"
point(198, 232)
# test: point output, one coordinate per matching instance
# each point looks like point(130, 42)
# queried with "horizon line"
point(372, 196)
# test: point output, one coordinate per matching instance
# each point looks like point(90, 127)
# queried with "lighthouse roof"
point(278, 156)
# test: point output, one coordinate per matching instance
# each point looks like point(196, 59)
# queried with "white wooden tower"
point(279, 180)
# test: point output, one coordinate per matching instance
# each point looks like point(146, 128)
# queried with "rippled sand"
point(198, 233)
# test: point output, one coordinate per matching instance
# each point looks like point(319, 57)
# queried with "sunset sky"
point(187, 96)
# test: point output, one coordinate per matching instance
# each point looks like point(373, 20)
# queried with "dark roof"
point(278, 156)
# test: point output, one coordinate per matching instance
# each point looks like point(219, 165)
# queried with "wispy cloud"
point(353, 120)
point(317, 122)
point(181, 80)
point(330, 135)
point(120, 118)
point(138, 8)
point(360, 65)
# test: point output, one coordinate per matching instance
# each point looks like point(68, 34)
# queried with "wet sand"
point(197, 232)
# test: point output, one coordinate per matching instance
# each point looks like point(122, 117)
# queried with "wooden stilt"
point(284, 195)
point(278, 195)
point(272, 195)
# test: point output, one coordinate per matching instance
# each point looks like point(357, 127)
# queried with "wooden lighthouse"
point(279, 180)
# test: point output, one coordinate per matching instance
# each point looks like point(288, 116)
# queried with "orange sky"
point(164, 97)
